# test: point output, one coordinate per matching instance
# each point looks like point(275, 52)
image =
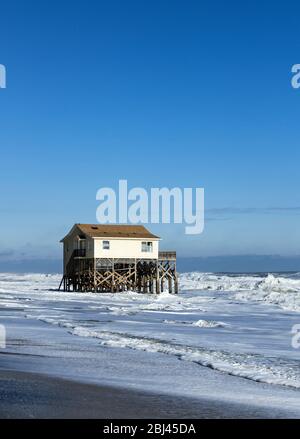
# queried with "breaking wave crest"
point(271, 288)
point(251, 366)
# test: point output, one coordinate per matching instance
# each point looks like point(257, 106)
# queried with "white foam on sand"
point(209, 324)
point(200, 323)
point(244, 365)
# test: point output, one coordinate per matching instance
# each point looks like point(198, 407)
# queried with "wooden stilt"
point(170, 284)
point(107, 275)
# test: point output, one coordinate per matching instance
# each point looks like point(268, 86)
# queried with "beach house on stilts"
point(112, 258)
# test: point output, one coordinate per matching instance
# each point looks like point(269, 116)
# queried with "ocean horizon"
point(214, 264)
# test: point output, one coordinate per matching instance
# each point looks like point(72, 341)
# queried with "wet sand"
point(26, 395)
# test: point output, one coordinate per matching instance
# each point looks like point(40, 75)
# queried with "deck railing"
point(167, 255)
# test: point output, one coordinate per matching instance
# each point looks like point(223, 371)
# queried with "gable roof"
point(113, 231)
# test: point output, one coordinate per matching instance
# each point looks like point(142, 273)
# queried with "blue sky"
point(161, 93)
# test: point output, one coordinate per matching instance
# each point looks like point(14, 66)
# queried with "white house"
point(110, 241)
point(105, 258)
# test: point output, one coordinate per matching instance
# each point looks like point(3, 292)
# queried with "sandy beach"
point(36, 396)
point(201, 354)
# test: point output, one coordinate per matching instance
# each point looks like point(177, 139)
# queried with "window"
point(105, 245)
point(147, 247)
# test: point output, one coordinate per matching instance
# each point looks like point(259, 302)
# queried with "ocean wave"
point(282, 290)
point(199, 323)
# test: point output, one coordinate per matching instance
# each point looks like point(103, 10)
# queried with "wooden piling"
point(116, 275)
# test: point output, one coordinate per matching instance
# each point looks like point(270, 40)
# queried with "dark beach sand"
point(27, 395)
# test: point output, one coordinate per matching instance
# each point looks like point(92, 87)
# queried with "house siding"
point(71, 243)
point(125, 248)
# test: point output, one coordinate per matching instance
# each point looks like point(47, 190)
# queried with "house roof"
point(113, 231)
